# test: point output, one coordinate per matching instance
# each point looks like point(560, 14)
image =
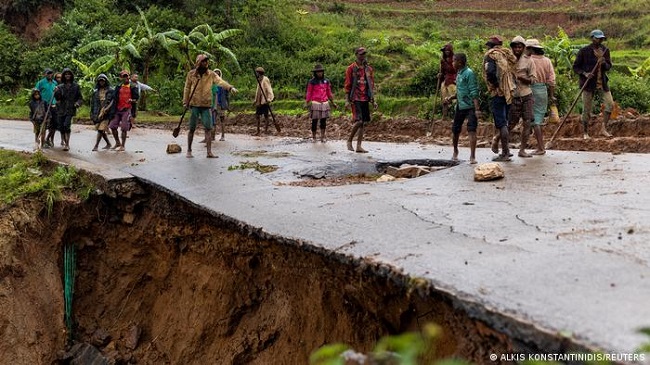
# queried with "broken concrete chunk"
point(386, 178)
point(174, 148)
point(488, 171)
point(407, 171)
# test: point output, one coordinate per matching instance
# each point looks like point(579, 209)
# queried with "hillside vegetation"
point(287, 37)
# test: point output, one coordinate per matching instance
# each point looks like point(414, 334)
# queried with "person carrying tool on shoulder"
point(197, 96)
point(360, 92)
point(498, 66)
point(263, 98)
point(586, 60)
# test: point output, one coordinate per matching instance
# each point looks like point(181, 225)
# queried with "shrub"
point(630, 92)
point(9, 62)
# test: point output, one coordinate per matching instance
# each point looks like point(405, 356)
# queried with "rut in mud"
point(160, 281)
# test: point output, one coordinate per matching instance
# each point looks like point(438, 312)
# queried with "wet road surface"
point(562, 243)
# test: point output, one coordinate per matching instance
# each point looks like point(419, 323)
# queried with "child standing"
point(37, 110)
point(319, 95)
point(100, 109)
point(220, 98)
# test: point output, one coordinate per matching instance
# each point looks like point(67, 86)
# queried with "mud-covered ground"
point(161, 282)
point(631, 131)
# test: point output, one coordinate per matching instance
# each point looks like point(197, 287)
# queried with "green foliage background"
point(287, 37)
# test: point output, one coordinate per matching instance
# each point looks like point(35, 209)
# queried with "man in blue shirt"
point(467, 106)
point(46, 87)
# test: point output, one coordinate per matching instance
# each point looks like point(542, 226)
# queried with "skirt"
point(540, 100)
point(319, 110)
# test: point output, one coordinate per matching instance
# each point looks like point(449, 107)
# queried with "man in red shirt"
point(126, 94)
point(359, 90)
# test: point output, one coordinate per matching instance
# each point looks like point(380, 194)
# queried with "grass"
point(24, 175)
point(253, 165)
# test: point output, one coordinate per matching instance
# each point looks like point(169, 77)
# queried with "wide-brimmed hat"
point(217, 71)
point(360, 50)
point(494, 40)
point(518, 39)
point(534, 43)
point(259, 69)
point(597, 33)
point(124, 72)
point(318, 68)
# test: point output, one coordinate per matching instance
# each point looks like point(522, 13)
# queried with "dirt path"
point(631, 131)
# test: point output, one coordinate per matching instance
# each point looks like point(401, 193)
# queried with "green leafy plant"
point(405, 349)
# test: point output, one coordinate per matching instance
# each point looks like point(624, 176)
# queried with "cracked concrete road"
point(561, 244)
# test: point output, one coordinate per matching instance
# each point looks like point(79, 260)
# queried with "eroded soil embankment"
point(162, 282)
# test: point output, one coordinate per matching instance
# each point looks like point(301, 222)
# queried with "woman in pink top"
point(319, 95)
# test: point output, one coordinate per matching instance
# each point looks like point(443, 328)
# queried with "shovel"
point(177, 130)
point(550, 144)
point(259, 83)
point(433, 112)
point(41, 132)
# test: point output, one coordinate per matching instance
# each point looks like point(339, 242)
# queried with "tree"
point(209, 42)
point(149, 46)
point(122, 50)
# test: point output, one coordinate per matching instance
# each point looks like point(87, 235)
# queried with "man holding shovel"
point(197, 96)
point(594, 79)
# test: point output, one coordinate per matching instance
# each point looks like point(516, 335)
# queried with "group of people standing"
point(56, 98)
point(520, 82)
point(521, 85)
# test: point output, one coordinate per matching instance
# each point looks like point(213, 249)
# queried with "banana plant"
point(121, 50)
point(642, 71)
point(210, 42)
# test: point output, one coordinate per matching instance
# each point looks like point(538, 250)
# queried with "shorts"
point(101, 126)
point(37, 126)
point(121, 119)
point(65, 123)
point(263, 110)
point(204, 114)
point(361, 111)
point(319, 110)
point(522, 107)
point(459, 118)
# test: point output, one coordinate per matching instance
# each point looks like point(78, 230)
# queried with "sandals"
point(539, 153)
